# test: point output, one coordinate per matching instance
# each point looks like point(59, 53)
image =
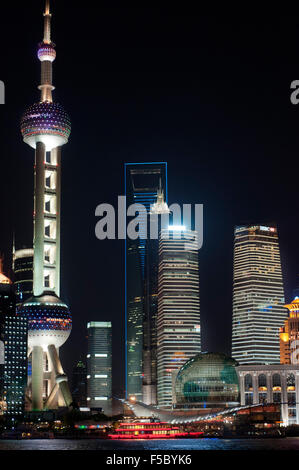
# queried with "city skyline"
point(184, 186)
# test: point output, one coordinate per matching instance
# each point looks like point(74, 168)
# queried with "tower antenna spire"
point(47, 23)
point(47, 10)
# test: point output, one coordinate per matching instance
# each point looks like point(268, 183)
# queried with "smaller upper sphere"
point(46, 122)
point(46, 52)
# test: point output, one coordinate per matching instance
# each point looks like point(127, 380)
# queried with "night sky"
point(208, 94)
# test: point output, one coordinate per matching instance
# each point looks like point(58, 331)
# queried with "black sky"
point(207, 94)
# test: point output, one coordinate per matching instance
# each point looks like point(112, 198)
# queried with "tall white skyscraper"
point(258, 295)
point(178, 323)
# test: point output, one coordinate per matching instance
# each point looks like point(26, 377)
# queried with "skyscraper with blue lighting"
point(142, 184)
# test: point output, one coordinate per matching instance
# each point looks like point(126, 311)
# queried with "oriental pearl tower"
point(46, 127)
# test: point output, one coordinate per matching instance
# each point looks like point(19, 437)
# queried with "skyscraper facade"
point(178, 324)
point(23, 274)
point(289, 335)
point(13, 352)
point(258, 295)
point(99, 366)
point(150, 303)
point(142, 183)
point(46, 127)
point(79, 383)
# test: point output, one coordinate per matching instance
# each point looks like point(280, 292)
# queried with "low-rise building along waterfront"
point(277, 383)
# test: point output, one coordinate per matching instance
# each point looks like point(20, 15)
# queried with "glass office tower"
point(258, 295)
point(178, 322)
point(142, 183)
point(79, 384)
point(99, 366)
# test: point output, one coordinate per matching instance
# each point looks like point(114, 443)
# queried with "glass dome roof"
point(208, 379)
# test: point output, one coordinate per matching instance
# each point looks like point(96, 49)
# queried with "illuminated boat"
point(151, 430)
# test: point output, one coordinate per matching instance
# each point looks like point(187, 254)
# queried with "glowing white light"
point(177, 228)
point(50, 141)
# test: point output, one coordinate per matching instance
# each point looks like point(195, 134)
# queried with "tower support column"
point(61, 378)
point(39, 229)
point(37, 378)
point(56, 156)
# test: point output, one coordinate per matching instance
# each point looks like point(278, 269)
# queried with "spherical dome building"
point(46, 122)
point(207, 380)
point(49, 320)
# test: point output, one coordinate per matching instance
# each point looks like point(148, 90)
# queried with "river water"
point(290, 443)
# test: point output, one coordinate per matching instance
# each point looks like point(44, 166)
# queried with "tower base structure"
point(49, 326)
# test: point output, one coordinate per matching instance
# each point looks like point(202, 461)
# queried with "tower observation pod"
point(46, 127)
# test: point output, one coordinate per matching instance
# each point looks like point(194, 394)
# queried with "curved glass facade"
point(208, 379)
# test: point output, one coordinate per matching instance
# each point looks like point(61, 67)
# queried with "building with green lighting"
point(207, 380)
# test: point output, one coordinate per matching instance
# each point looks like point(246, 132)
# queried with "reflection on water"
point(291, 443)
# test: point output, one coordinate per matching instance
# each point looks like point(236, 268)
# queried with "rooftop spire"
point(47, 23)
point(160, 207)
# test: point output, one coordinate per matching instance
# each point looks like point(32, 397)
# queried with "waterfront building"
point(142, 183)
point(46, 127)
point(99, 366)
point(277, 383)
point(208, 380)
point(258, 295)
point(178, 321)
point(289, 335)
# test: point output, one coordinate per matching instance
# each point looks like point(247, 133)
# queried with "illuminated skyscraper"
point(289, 335)
point(79, 383)
point(179, 337)
point(150, 304)
point(13, 351)
point(99, 366)
point(258, 295)
point(23, 274)
point(46, 127)
point(142, 183)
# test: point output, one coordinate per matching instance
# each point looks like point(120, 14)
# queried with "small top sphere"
point(46, 52)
